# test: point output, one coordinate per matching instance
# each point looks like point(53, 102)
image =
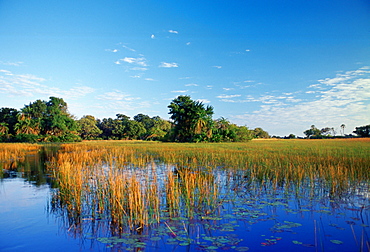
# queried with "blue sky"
point(280, 65)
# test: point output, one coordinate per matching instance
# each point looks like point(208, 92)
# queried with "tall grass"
point(11, 154)
point(128, 183)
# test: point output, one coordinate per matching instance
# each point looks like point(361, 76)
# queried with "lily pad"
point(242, 249)
point(336, 242)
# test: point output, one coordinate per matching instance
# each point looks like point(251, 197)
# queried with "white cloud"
point(203, 100)
point(228, 89)
point(168, 65)
point(172, 31)
point(227, 96)
point(191, 85)
point(152, 36)
point(219, 67)
point(188, 43)
point(149, 79)
point(138, 61)
point(6, 72)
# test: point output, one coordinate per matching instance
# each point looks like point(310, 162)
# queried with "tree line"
point(331, 132)
point(50, 121)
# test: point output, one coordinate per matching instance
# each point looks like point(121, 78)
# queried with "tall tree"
point(88, 128)
point(363, 131)
point(9, 116)
point(313, 132)
point(191, 118)
point(342, 126)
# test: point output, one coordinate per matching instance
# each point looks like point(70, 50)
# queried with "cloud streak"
point(168, 65)
point(30, 85)
point(342, 99)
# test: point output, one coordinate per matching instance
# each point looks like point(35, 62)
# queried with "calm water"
point(250, 217)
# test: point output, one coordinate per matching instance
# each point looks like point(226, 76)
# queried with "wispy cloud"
point(228, 96)
point(219, 67)
point(152, 36)
point(168, 65)
point(32, 86)
point(172, 31)
point(191, 85)
point(137, 76)
point(228, 89)
point(344, 98)
point(179, 91)
point(203, 100)
point(141, 61)
point(116, 95)
point(129, 48)
point(17, 63)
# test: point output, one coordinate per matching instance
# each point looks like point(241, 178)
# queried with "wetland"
point(266, 195)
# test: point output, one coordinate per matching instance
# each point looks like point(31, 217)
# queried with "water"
point(248, 217)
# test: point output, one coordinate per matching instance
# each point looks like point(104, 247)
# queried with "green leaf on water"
point(242, 249)
point(212, 247)
point(184, 243)
point(336, 241)
point(208, 238)
point(297, 242)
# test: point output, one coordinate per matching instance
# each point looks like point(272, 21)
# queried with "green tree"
point(161, 128)
point(49, 121)
point(9, 116)
point(119, 126)
point(106, 126)
point(156, 128)
point(313, 132)
point(88, 128)
point(260, 133)
point(363, 131)
point(192, 120)
point(244, 134)
point(4, 128)
point(134, 130)
point(57, 120)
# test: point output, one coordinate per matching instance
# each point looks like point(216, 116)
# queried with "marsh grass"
point(133, 184)
point(12, 154)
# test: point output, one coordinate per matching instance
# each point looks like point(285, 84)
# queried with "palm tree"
point(4, 128)
point(343, 126)
point(25, 125)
